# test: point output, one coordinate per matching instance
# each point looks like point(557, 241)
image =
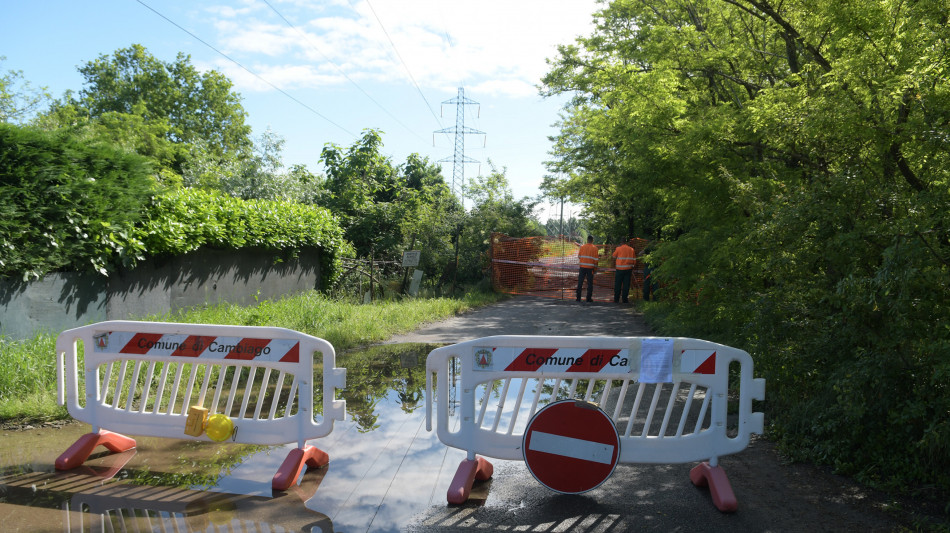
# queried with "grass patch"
point(28, 367)
point(28, 379)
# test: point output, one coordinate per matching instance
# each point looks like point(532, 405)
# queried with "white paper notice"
point(656, 361)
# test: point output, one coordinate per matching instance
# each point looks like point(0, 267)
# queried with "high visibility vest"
point(626, 257)
point(587, 256)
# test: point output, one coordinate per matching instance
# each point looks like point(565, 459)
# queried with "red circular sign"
point(571, 446)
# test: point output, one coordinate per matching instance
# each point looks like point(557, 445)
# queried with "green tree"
point(792, 158)
point(259, 176)
point(156, 107)
point(363, 189)
point(618, 201)
point(18, 99)
point(130, 132)
point(197, 106)
point(435, 212)
point(494, 209)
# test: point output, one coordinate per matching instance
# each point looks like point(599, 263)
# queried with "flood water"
point(386, 471)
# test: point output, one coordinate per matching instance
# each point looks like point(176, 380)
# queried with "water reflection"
point(383, 373)
point(85, 500)
point(385, 469)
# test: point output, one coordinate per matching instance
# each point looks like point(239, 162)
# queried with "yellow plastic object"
point(195, 423)
point(219, 427)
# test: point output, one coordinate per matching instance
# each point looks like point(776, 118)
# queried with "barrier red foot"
point(290, 469)
point(719, 488)
point(83, 447)
point(469, 470)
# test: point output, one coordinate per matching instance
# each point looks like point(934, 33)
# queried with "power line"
point(337, 67)
point(404, 66)
point(249, 71)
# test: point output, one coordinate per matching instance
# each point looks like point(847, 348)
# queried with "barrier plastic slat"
point(173, 399)
point(162, 379)
point(689, 402)
point(204, 386)
point(235, 379)
point(186, 399)
point(273, 406)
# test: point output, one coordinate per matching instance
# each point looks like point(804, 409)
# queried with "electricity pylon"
point(460, 130)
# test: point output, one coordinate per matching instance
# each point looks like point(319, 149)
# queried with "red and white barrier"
point(143, 378)
point(667, 399)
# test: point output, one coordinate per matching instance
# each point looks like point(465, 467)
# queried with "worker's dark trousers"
point(622, 285)
point(588, 274)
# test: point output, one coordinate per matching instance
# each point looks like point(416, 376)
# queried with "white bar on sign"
point(586, 450)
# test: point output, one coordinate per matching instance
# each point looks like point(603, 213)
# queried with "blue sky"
point(345, 65)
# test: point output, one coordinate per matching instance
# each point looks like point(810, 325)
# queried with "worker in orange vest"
point(626, 257)
point(587, 260)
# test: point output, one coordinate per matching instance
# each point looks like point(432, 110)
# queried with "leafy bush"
point(188, 219)
point(64, 204)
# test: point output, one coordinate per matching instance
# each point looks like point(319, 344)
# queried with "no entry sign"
point(571, 446)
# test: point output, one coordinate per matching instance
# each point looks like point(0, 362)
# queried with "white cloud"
point(285, 77)
point(230, 11)
point(267, 39)
point(507, 87)
point(497, 45)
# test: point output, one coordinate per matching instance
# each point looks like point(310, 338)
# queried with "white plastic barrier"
point(668, 399)
point(142, 378)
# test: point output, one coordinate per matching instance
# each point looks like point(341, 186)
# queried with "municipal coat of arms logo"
point(483, 358)
point(101, 340)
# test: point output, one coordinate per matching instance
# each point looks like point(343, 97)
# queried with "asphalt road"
point(772, 494)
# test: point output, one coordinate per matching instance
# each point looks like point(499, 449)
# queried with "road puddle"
point(385, 471)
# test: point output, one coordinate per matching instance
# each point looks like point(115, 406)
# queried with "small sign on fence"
point(411, 258)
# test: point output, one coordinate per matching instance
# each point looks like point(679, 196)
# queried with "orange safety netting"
point(548, 266)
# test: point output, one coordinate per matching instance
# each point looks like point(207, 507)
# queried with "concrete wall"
point(66, 300)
